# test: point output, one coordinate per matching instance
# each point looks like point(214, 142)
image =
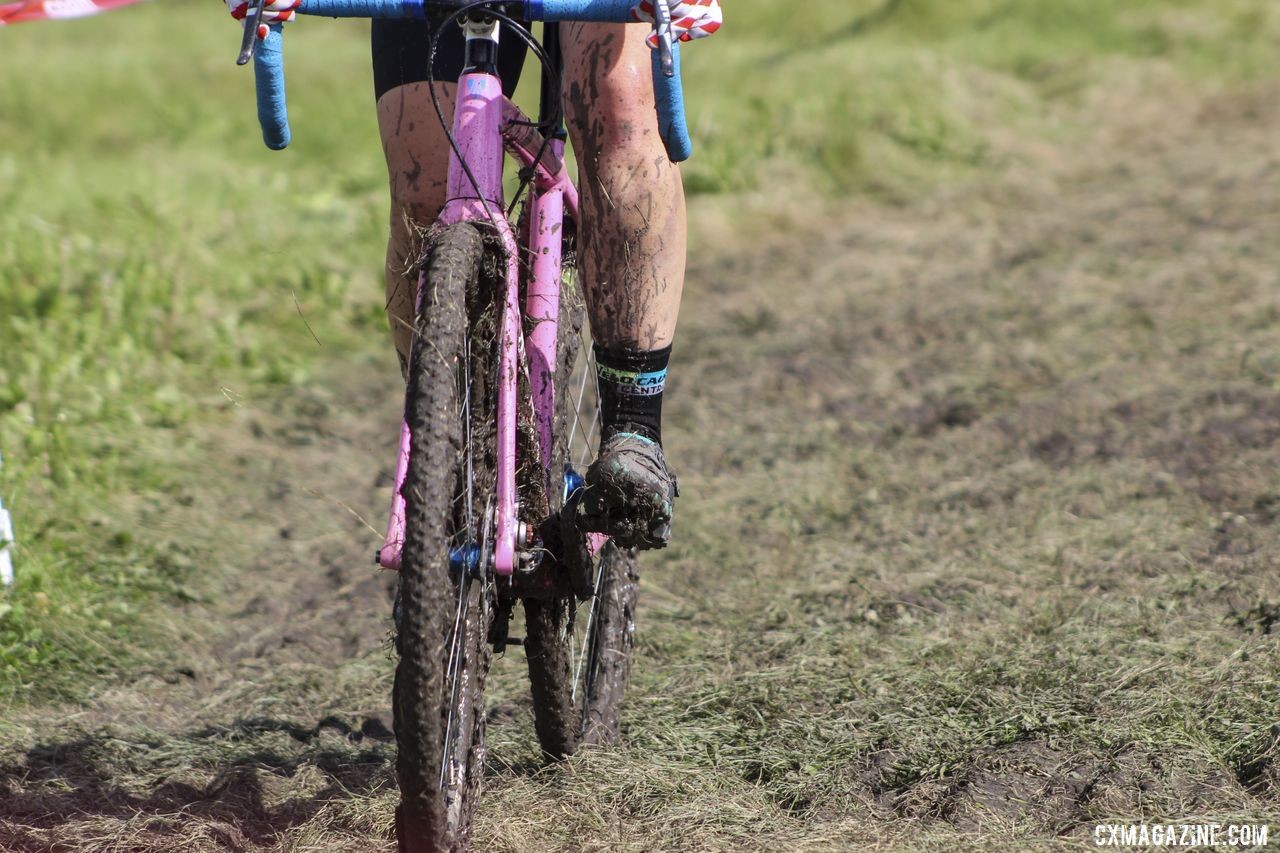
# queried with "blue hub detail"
point(573, 486)
point(465, 558)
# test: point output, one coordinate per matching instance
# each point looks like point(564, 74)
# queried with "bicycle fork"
point(483, 117)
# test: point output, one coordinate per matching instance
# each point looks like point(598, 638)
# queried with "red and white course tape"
point(53, 10)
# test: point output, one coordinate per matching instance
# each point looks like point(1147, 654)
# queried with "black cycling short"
point(401, 47)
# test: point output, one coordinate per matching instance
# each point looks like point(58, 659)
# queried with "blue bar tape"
point(668, 91)
point(599, 11)
point(669, 94)
point(364, 8)
point(268, 67)
point(269, 61)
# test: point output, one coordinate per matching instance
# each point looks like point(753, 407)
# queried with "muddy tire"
point(579, 658)
point(442, 619)
point(579, 654)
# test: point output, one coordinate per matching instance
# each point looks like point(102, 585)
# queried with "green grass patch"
point(154, 262)
point(893, 96)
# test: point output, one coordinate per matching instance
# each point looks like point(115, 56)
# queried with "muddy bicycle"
point(499, 419)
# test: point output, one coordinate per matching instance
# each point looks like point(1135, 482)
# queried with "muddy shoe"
point(630, 494)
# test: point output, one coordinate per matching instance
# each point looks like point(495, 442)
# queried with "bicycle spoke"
point(582, 454)
point(577, 412)
point(590, 437)
point(581, 659)
point(454, 667)
point(456, 651)
point(466, 415)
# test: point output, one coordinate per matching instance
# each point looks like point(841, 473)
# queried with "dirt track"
point(304, 611)
point(867, 422)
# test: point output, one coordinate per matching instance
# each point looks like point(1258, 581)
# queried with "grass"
point(145, 289)
point(977, 536)
point(892, 97)
point(980, 549)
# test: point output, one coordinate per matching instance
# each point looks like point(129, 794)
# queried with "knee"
point(617, 130)
point(416, 154)
point(616, 121)
point(416, 200)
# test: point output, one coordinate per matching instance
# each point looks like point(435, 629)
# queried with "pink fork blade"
point(483, 122)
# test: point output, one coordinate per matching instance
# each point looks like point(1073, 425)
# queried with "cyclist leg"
point(415, 145)
point(417, 164)
point(632, 253)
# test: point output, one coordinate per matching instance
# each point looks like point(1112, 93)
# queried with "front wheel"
point(445, 597)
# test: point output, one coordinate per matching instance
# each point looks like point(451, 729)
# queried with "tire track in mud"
point(237, 739)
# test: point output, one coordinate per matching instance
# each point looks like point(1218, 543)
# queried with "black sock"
point(631, 384)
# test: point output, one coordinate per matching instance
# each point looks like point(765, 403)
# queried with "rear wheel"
point(579, 657)
point(578, 654)
point(445, 600)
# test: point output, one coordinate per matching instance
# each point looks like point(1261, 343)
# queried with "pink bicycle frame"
point(485, 122)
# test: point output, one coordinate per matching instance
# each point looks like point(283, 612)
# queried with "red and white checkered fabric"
point(690, 19)
point(275, 11)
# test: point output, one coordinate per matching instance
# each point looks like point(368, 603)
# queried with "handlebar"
point(268, 60)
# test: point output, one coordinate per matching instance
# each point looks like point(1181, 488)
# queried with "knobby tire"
point(435, 815)
point(578, 655)
point(578, 685)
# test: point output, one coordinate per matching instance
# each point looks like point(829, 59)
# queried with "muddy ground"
point(977, 545)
